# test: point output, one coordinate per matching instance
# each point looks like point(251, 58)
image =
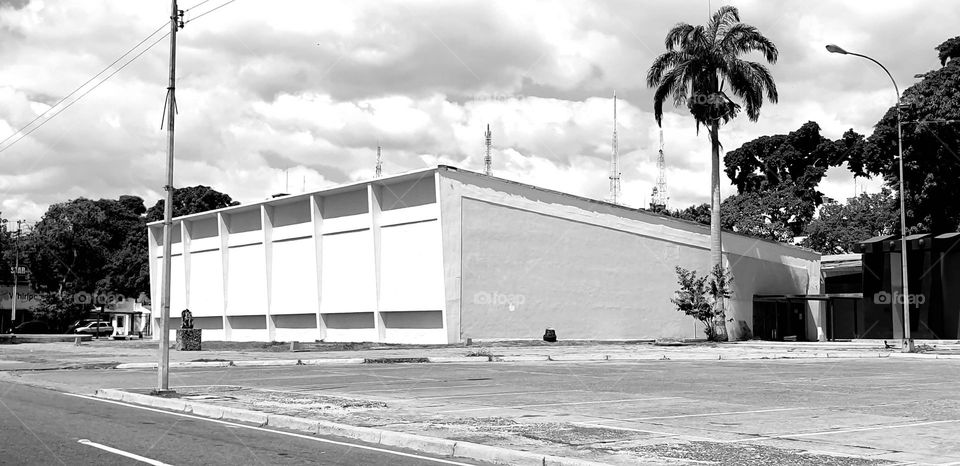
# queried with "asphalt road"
point(39, 426)
point(891, 409)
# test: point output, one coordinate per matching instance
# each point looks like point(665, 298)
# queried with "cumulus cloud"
point(297, 95)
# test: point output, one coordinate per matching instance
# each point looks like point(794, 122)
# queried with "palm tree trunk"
point(716, 245)
point(716, 253)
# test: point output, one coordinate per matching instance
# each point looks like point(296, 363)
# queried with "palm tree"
point(700, 64)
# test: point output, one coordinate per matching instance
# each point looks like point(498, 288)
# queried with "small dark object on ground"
point(186, 319)
point(550, 335)
point(188, 339)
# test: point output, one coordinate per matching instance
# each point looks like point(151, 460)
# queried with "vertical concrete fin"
point(153, 245)
point(316, 218)
point(223, 232)
point(266, 225)
point(185, 238)
point(374, 194)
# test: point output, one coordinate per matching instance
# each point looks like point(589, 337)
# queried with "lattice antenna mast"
point(487, 160)
point(379, 171)
point(659, 197)
point(615, 159)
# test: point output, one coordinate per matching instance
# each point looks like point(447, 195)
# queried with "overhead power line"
point(23, 132)
point(104, 70)
point(61, 110)
point(205, 13)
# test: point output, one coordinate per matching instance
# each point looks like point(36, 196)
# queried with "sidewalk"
point(143, 353)
point(541, 410)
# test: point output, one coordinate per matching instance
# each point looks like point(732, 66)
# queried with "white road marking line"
point(279, 432)
point(492, 394)
point(863, 429)
point(115, 451)
point(432, 387)
point(487, 408)
point(679, 416)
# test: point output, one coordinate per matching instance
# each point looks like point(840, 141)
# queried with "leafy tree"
point(702, 297)
point(191, 200)
point(86, 247)
point(6, 252)
point(949, 50)
point(839, 227)
point(777, 178)
point(776, 214)
point(59, 310)
point(700, 65)
point(695, 213)
point(67, 247)
point(931, 146)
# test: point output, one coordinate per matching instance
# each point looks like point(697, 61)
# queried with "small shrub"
point(702, 297)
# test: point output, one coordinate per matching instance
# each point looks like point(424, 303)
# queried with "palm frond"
point(663, 63)
point(677, 35)
point(743, 38)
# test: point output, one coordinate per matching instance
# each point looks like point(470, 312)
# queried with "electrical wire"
point(201, 15)
point(85, 93)
point(104, 70)
point(201, 3)
point(25, 134)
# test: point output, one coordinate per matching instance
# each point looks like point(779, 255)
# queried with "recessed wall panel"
point(294, 277)
point(206, 284)
point(247, 294)
point(348, 273)
point(411, 267)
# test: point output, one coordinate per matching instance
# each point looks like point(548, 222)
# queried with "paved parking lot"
point(880, 409)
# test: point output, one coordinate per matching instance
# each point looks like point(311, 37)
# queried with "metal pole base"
point(908, 346)
point(164, 393)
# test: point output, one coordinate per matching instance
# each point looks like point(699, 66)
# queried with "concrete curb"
point(420, 443)
point(579, 357)
point(441, 359)
point(323, 361)
point(267, 362)
point(137, 365)
point(590, 357)
point(521, 358)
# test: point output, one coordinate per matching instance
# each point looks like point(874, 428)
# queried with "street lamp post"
point(907, 339)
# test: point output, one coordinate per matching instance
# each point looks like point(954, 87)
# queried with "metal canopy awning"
point(806, 297)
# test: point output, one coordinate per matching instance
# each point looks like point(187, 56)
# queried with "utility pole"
point(16, 273)
point(488, 159)
point(163, 368)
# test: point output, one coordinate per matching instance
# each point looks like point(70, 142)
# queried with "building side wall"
point(363, 264)
point(525, 271)
point(588, 269)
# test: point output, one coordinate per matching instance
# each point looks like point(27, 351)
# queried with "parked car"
point(80, 323)
point(96, 328)
point(31, 327)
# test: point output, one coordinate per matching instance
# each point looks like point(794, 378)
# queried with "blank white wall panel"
point(177, 290)
point(348, 273)
point(411, 267)
point(247, 292)
point(206, 287)
point(294, 278)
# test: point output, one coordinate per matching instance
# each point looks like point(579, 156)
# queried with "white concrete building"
point(441, 255)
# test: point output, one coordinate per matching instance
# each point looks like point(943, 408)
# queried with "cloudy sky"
point(286, 95)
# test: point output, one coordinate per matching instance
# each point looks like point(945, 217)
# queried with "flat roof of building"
point(419, 173)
